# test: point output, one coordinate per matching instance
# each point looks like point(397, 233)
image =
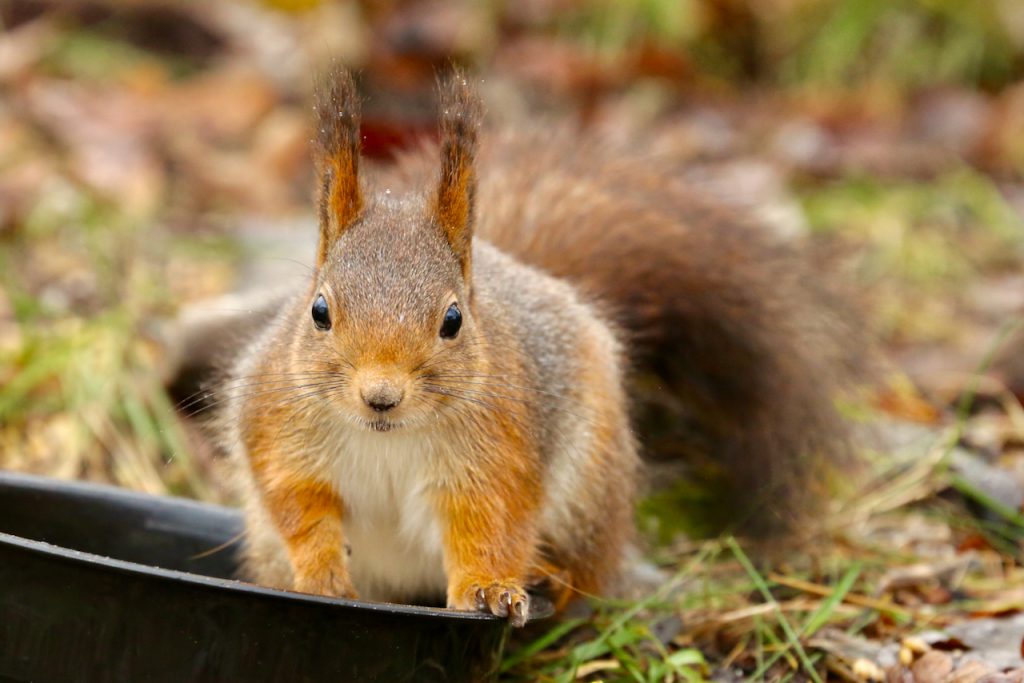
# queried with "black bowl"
point(102, 584)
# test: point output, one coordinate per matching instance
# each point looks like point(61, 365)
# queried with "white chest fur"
point(390, 524)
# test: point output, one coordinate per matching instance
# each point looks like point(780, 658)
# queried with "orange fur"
point(337, 157)
point(460, 114)
point(307, 514)
point(490, 533)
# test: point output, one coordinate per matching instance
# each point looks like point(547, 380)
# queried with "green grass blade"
point(540, 644)
point(824, 611)
point(787, 628)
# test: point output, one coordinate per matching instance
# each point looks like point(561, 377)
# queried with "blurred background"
point(153, 151)
point(147, 145)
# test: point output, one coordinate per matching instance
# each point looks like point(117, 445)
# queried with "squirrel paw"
point(502, 599)
point(332, 584)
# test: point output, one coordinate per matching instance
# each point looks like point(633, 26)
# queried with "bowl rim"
point(196, 580)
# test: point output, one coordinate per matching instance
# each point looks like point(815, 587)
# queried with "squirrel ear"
point(337, 156)
point(461, 111)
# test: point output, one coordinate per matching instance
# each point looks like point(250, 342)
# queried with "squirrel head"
point(390, 311)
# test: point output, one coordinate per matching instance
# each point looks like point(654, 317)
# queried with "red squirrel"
point(444, 408)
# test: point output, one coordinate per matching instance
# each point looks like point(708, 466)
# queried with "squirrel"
point(445, 409)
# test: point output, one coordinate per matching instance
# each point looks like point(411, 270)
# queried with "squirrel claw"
point(481, 600)
point(505, 600)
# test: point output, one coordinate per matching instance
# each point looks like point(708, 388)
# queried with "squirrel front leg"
point(490, 540)
point(308, 515)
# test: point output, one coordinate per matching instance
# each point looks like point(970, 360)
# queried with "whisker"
point(185, 403)
point(547, 398)
point(507, 411)
point(486, 381)
point(260, 392)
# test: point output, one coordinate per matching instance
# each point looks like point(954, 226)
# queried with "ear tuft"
point(461, 111)
point(336, 148)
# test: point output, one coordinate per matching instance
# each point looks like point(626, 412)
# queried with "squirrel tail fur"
point(738, 349)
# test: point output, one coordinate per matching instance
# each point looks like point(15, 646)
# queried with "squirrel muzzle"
point(381, 395)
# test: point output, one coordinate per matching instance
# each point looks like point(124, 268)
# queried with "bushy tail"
point(739, 350)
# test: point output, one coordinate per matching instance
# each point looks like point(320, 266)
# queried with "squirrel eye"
point(452, 322)
point(321, 316)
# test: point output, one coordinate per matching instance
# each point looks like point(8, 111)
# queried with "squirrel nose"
point(381, 396)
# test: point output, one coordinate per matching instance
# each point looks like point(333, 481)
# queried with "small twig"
point(851, 598)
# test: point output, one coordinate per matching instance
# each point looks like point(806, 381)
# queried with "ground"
point(150, 153)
